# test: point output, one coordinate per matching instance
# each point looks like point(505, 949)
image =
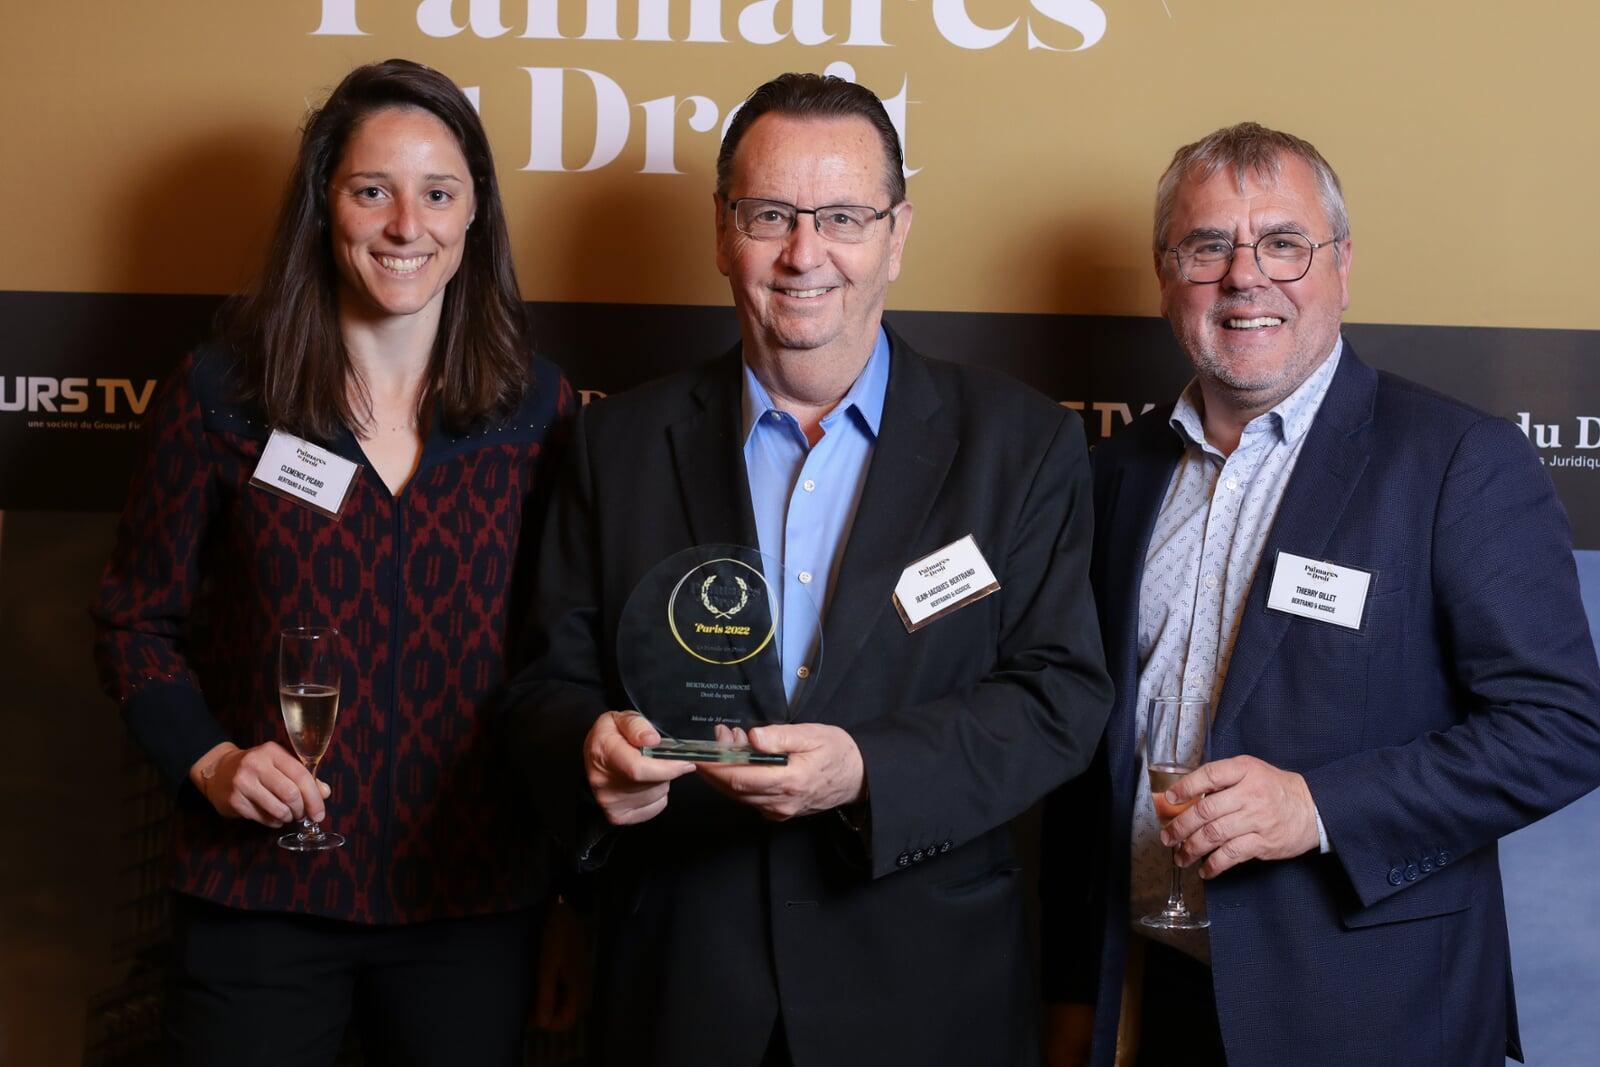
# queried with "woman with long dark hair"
point(384, 343)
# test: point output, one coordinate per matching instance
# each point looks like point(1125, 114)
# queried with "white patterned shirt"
point(1203, 555)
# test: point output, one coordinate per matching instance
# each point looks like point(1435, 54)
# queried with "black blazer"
point(1466, 706)
point(902, 945)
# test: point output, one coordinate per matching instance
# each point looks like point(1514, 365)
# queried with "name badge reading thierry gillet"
point(940, 582)
point(1311, 589)
point(304, 473)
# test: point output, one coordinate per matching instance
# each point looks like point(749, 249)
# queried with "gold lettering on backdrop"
point(70, 396)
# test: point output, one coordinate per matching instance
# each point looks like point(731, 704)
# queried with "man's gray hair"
point(1248, 148)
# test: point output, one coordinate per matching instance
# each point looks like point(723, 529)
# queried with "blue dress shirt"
point(805, 499)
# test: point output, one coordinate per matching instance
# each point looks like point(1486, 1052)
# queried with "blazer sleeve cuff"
point(1375, 872)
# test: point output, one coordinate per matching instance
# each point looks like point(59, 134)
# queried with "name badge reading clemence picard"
point(1312, 589)
point(942, 581)
point(305, 473)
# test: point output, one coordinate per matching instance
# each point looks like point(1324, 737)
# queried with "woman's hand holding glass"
point(265, 784)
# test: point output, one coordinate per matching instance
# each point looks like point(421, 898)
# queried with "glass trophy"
point(700, 651)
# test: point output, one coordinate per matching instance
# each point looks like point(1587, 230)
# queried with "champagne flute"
point(309, 664)
point(1176, 737)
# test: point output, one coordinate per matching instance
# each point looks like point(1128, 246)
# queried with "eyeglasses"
point(1284, 256)
point(773, 220)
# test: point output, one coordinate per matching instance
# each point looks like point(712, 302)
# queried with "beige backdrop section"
point(146, 143)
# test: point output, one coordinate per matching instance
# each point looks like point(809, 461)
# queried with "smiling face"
point(1253, 341)
point(803, 295)
point(399, 204)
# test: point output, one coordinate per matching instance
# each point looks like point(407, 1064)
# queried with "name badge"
point(941, 582)
point(305, 473)
point(1312, 589)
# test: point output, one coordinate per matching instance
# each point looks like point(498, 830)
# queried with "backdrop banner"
point(149, 145)
point(81, 367)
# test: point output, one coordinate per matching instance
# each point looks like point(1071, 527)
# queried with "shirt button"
point(774, 415)
point(808, 485)
point(802, 671)
point(805, 577)
point(1232, 483)
point(1211, 581)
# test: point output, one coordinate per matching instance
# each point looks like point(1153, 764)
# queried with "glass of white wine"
point(309, 665)
point(1176, 737)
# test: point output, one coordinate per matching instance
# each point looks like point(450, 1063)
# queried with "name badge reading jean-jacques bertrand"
point(941, 582)
point(305, 473)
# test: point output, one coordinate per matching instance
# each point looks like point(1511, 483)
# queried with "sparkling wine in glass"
point(1176, 736)
point(309, 663)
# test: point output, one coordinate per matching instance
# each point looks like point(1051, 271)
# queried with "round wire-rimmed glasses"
point(1281, 256)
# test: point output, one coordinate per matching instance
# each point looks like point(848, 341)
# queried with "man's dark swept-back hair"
point(820, 96)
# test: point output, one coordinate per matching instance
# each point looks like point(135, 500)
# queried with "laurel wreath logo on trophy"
point(703, 605)
point(712, 585)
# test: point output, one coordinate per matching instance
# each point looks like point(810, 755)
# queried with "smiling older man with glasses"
point(862, 903)
point(1373, 587)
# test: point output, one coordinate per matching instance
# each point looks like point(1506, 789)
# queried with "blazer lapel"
point(708, 455)
point(1330, 464)
point(909, 464)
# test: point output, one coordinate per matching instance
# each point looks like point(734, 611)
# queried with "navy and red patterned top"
point(423, 587)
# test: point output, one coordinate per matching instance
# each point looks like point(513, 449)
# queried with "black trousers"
point(265, 988)
point(777, 1054)
point(1178, 1016)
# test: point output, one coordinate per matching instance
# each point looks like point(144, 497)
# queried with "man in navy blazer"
point(1374, 587)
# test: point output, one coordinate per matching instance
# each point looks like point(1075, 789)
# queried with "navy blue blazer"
point(1466, 706)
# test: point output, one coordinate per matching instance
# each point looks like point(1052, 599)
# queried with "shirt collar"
point(865, 395)
point(1291, 417)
